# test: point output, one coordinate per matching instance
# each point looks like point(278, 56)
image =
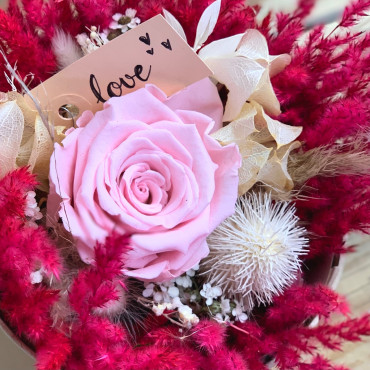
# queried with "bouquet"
point(185, 216)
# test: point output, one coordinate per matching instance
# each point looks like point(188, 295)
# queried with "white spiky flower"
point(255, 253)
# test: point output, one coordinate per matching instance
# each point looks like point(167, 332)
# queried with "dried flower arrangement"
point(178, 232)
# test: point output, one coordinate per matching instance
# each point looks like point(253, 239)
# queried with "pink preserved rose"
point(147, 166)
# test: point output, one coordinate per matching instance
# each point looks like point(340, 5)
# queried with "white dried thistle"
point(255, 253)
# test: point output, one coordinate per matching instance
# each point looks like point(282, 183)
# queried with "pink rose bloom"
point(146, 166)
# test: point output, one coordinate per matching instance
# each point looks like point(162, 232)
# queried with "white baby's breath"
point(32, 211)
point(210, 293)
point(184, 281)
point(238, 312)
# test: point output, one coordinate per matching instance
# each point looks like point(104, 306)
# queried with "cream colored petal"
point(28, 114)
point(25, 150)
point(254, 157)
point(262, 135)
point(264, 94)
point(275, 172)
point(175, 24)
point(253, 45)
point(41, 153)
point(259, 119)
point(277, 63)
point(207, 24)
point(34, 146)
point(239, 74)
point(221, 48)
point(238, 129)
point(3, 97)
point(241, 77)
point(11, 129)
point(243, 65)
point(283, 134)
point(272, 130)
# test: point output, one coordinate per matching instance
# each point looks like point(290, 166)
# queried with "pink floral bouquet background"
point(191, 231)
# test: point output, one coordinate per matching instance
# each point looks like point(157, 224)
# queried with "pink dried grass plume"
point(95, 13)
point(298, 303)
point(96, 286)
point(353, 12)
point(16, 38)
point(53, 351)
point(26, 306)
point(225, 359)
point(167, 358)
point(282, 333)
point(329, 219)
point(165, 336)
point(325, 88)
point(209, 335)
point(98, 344)
point(42, 16)
point(13, 189)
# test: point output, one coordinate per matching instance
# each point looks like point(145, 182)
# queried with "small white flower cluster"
point(181, 298)
point(166, 296)
point(185, 279)
point(238, 312)
point(210, 293)
point(121, 23)
point(32, 211)
point(37, 276)
point(93, 41)
point(230, 311)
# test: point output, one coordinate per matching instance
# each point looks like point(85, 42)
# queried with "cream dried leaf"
point(24, 139)
point(283, 134)
point(241, 127)
point(175, 24)
point(207, 24)
point(275, 172)
point(254, 157)
point(11, 130)
point(242, 63)
point(264, 144)
point(42, 150)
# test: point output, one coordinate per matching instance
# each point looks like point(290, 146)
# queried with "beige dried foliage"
point(265, 145)
point(24, 139)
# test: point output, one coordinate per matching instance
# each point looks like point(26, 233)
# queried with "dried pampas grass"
point(329, 161)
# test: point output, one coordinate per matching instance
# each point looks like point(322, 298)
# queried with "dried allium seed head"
point(255, 253)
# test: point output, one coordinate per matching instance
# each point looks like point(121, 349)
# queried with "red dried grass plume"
point(225, 359)
point(95, 286)
point(209, 335)
point(23, 250)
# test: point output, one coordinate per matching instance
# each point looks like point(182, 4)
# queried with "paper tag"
point(150, 53)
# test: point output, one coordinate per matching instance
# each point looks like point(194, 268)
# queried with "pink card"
point(151, 53)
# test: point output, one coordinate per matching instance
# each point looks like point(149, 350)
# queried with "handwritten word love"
point(114, 88)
